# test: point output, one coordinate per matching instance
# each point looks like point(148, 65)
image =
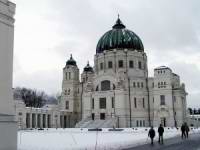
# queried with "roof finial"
point(88, 63)
point(119, 24)
point(70, 56)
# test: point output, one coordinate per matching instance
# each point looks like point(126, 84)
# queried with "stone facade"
point(8, 125)
point(117, 91)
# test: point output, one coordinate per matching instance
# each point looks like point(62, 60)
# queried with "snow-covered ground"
point(82, 139)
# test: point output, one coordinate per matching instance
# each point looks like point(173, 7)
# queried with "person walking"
point(151, 134)
point(160, 132)
point(183, 131)
point(187, 129)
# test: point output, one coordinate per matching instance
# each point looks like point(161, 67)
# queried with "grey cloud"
point(47, 81)
point(164, 27)
point(193, 100)
point(189, 74)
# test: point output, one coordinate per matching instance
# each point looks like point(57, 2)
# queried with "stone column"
point(46, 120)
point(30, 119)
point(36, 119)
point(8, 124)
point(61, 120)
point(33, 120)
point(41, 120)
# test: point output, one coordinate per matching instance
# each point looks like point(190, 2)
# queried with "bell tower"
point(69, 104)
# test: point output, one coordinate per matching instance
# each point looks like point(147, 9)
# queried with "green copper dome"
point(118, 38)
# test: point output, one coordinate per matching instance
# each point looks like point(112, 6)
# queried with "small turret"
point(88, 68)
point(87, 74)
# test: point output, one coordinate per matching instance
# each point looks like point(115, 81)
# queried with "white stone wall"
point(142, 104)
point(121, 78)
point(6, 56)
point(8, 125)
point(168, 84)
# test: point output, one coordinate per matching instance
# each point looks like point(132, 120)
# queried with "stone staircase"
point(89, 123)
point(83, 122)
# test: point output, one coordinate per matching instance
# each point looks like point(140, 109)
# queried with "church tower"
point(69, 105)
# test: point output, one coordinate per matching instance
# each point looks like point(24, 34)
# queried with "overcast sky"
point(48, 31)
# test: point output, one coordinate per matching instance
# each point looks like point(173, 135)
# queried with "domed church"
point(117, 91)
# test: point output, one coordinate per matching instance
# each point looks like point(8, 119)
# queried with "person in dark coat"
point(183, 131)
point(160, 132)
point(187, 129)
point(151, 134)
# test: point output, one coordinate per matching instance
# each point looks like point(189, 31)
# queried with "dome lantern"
point(119, 24)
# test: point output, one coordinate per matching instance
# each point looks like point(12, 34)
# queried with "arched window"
point(135, 102)
point(65, 92)
point(66, 76)
point(130, 64)
point(134, 84)
point(139, 64)
point(105, 85)
point(110, 65)
point(138, 84)
point(66, 104)
point(142, 85)
point(69, 92)
point(120, 64)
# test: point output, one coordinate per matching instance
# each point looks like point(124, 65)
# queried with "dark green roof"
point(71, 61)
point(118, 38)
point(88, 68)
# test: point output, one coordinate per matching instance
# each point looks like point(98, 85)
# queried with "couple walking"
point(152, 134)
point(184, 130)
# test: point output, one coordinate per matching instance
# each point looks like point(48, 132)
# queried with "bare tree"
point(31, 98)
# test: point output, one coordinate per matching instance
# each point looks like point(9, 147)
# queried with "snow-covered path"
point(82, 139)
point(176, 143)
